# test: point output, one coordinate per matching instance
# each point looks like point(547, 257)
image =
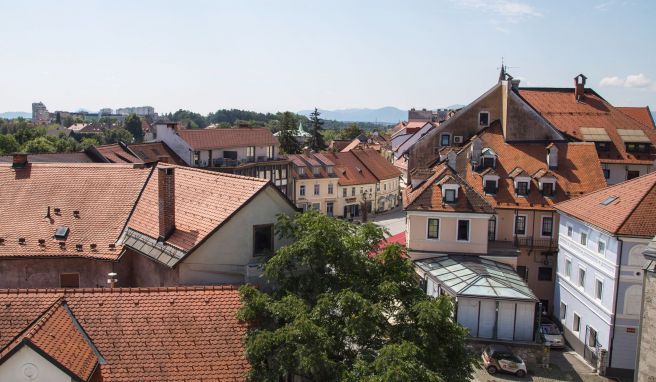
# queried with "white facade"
point(167, 134)
point(26, 365)
point(617, 173)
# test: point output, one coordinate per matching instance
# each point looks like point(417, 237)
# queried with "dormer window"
point(315, 170)
point(450, 192)
point(521, 181)
point(484, 119)
point(637, 147)
point(450, 196)
point(549, 188)
point(521, 187)
point(329, 170)
point(488, 158)
point(445, 139)
point(602, 146)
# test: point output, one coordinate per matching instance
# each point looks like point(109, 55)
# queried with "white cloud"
point(604, 6)
point(631, 81)
point(511, 10)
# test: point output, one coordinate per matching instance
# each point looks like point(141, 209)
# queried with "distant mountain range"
point(387, 114)
point(15, 114)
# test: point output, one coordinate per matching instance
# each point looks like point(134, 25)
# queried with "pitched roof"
point(350, 170)
point(377, 164)
point(80, 157)
point(117, 153)
point(562, 110)
point(156, 151)
point(428, 196)
point(303, 164)
point(578, 172)
point(627, 208)
point(640, 114)
point(146, 334)
point(203, 201)
point(206, 139)
point(103, 194)
point(56, 334)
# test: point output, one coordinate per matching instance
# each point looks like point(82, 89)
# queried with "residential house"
point(316, 182)
point(122, 334)
point(240, 150)
point(70, 224)
point(646, 354)
point(600, 260)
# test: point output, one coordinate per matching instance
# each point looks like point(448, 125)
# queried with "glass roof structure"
point(473, 276)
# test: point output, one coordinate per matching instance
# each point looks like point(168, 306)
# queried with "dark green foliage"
point(339, 315)
point(133, 125)
point(288, 142)
point(316, 141)
point(117, 135)
point(350, 132)
point(8, 144)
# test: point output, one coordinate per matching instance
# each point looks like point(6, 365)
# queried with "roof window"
point(61, 233)
point(609, 200)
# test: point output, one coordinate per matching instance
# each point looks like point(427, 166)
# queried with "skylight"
point(61, 233)
point(609, 200)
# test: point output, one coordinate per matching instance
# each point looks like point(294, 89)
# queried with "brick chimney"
point(19, 160)
point(579, 87)
point(163, 159)
point(166, 201)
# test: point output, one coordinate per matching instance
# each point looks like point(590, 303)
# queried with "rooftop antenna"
point(503, 75)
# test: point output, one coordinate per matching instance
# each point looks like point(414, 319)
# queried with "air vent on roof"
point(78, 247)
point(112, 246)
point(609, 200)
point(76, 213)
point(21, 240)
point(62, 245)
point(57, 211)
point(61, 233)
point(42, 242)
point(93, 246)
point(2, 240)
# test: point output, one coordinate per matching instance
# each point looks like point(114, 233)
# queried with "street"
point(393, 221)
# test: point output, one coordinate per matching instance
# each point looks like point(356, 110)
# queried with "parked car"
point(500, 358)
point(551, 335)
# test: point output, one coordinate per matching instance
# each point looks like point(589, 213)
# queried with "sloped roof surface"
point(377, 164)
point(640, 114)
point(53, 158)
point(205, 139)
point(630, 209)
point(350, 170)
point(104, 195)
point(116, 153)
point(152, 152)
point(146, 334)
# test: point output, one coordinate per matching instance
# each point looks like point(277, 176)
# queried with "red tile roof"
point(630, 211)
point(640, 114)
point(80, 157)
point(303, 164)
point(104, 195)
point(206, 139)
point(117, 153)
point(350, 170)
point(203, 201)
point(155, 151)
point(561, 109)
point(377, 164)
point(147, 334)
point(579, 171)
point(56, 334)
point(399, 239)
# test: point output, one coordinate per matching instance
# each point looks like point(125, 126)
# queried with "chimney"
point(579, 87)
point(19, 160)
point(475, 155)
point(451, 158)
point(163, 159)
point(552, 156)
point(166, 201)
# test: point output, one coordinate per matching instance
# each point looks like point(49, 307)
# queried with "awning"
point(595, 134)
point(633, 136)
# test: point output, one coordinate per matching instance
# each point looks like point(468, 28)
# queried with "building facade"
point(40, 113)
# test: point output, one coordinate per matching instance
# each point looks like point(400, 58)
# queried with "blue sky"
point(292, 55)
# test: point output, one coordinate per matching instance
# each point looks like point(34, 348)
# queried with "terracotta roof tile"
point(630, 209)
point(155, 151)
point(103, 194)
point(640, 114)
point(206, 139)
point(203, 200)
point(53, 158)
point(380, 167)
point(147, 334)
point(116, 153)
point(350, 170)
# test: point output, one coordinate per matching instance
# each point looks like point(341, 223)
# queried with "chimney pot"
point(579, 87)
point(19, 160)
point(166, 201)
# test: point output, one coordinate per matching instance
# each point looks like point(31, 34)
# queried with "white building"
point(599, 279)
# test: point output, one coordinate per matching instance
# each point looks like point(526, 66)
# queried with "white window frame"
point(301, 190)
point(316, 189)
point(479, 118)
point(578, 280)
point(570, 230)
point(447, 135)
point(528, 188)
point(553, 220)
point(439, 228)
point(468, 230)
point(578, 330)
point(525, 225)
point(568, 268)
point(602, 242)
point(587, 236)
point(601, 295)
point(563, 312)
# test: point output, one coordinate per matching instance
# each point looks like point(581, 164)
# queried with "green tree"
point(288, 142)
point(66, 144)
point(337, 314)
point(133, 125)
point(39, 145)
point(88, 142)
point(316, 141)
point(116, 135)
point(8, 144)
point(350, 132)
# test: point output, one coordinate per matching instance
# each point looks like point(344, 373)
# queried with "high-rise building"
point(139, 110)
point(40, 113)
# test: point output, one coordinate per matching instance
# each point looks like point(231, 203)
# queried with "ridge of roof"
point(119, 290)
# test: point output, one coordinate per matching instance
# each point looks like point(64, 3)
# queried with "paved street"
point(565, 366)
point(393, 221)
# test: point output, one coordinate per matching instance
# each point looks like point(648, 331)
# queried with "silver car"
point(552, 336)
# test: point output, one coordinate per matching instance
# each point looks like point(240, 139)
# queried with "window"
point(433, 228)
point(361, 190)
point(230, 155)
point(483, 118)
point(384, 187)
point(463, 230)
point(330, 189)
point(316, 206)
point(522, 271)
point(352, 191)
point(547, 226)
point(445, 139)
point(581, 277)
point(270, 150)
point(592, 337)
point(637, 147)
point(563, 311)
point(450, 196)
point(606, 173)
point(548, 189)
point(69, 280)
point(317, 189)
point(263, 240)
point(603, 146)
point(630, 174)
point(569, 230)
point(599, 289)
point(584, 238)
point(344, 192)
point(490, 187)
point(488, 162)
point(250, 151)
point(316, 170)
point(522, 188)
point(545, 273)
point(301, 190)
point(576, 325)
point(520, 225)
point(601, 247)
point(568, 268)
point(329, 209)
